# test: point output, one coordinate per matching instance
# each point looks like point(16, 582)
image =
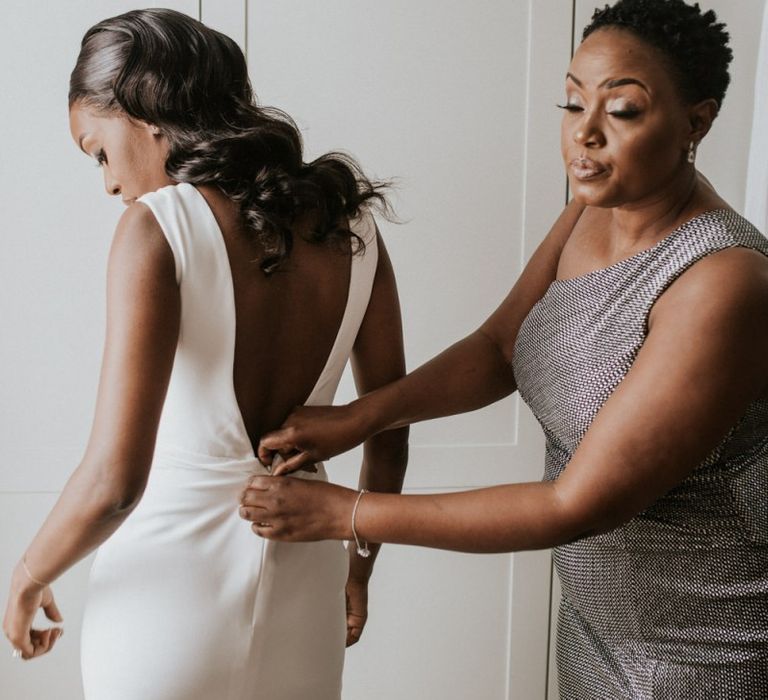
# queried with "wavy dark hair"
point(694, 42)
point(162, 67)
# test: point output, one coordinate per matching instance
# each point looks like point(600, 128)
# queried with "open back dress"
point(185, 602)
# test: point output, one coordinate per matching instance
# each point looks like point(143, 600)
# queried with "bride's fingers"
point(55, 636)
point(52, 611)
point(41, 640)
point(44, 640)
point(20, 637)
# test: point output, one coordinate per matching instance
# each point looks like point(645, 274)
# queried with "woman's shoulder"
point(140, 243)
point(730, 282)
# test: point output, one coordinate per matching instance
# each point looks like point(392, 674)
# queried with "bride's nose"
point(110, 184)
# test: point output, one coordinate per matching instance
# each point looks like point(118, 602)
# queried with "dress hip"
point(185, 602)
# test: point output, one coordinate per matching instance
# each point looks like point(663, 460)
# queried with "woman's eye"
point(101, 158)
point(624, 113)
point(570, 107)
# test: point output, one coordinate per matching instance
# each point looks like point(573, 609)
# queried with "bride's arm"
point(142, 330)
point(378, 358)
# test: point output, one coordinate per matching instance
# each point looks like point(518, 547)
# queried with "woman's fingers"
point(25, 643)
point(16, 626)
point(55, 636)
point(300, 460)
point(290, 509)
point(43, 640)
point(276, 442)
point(50, 608)
point(255, 501)
point(270, 504)
point(355, 627)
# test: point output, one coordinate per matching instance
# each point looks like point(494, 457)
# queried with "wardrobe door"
point(456, 100)
point(57, 224)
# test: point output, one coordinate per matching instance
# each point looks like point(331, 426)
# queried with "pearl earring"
point(692, 152)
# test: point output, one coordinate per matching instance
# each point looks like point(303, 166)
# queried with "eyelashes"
point(624, 113)
point(101, 158)
point(617, 113)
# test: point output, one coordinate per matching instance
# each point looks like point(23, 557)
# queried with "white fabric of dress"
point(185, 602)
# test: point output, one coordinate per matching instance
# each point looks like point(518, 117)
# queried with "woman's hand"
point(24, 601)
point(311, 434)
point(298, 510)
point(357, 608)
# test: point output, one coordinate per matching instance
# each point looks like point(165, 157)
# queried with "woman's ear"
point(700, 118)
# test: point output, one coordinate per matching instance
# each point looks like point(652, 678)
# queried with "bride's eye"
point(101, 158)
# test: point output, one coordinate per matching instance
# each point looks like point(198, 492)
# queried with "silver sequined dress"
point(674, 604)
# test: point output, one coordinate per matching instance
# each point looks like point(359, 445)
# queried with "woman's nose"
point(587, 131)
point(110, 184)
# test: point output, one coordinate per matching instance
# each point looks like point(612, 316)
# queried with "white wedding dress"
point(185, 602)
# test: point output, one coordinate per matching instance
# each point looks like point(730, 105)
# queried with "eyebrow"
point(610, 83)
point(80, 141)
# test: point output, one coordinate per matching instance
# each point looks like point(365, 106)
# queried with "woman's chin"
point(592, 194)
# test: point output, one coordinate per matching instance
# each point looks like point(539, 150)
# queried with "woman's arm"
point(701, 365)
point(472, 373)
point(378, 358)
point(142, 331)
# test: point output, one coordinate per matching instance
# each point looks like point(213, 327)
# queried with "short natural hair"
point(694, 42)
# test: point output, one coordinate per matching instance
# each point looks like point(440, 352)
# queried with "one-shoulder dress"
point(674, 604)
point(185, 602)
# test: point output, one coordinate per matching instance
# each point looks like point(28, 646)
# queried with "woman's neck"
point(646, 220)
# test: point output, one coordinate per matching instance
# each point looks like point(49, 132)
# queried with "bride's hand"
point(24, 600)
point(298, 510)
point(311, 434)
point(357, 608)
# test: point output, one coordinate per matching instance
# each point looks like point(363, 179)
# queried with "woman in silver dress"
point(638, 335)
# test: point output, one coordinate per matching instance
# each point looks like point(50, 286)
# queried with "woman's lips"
point(586, 168)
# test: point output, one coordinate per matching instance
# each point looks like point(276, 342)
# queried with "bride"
point(241, 279)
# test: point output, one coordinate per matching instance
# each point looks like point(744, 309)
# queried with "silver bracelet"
point(362, 549)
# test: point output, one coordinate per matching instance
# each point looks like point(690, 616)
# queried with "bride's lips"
point(586, 168)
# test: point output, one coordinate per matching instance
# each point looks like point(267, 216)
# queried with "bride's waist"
point(173, 463)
